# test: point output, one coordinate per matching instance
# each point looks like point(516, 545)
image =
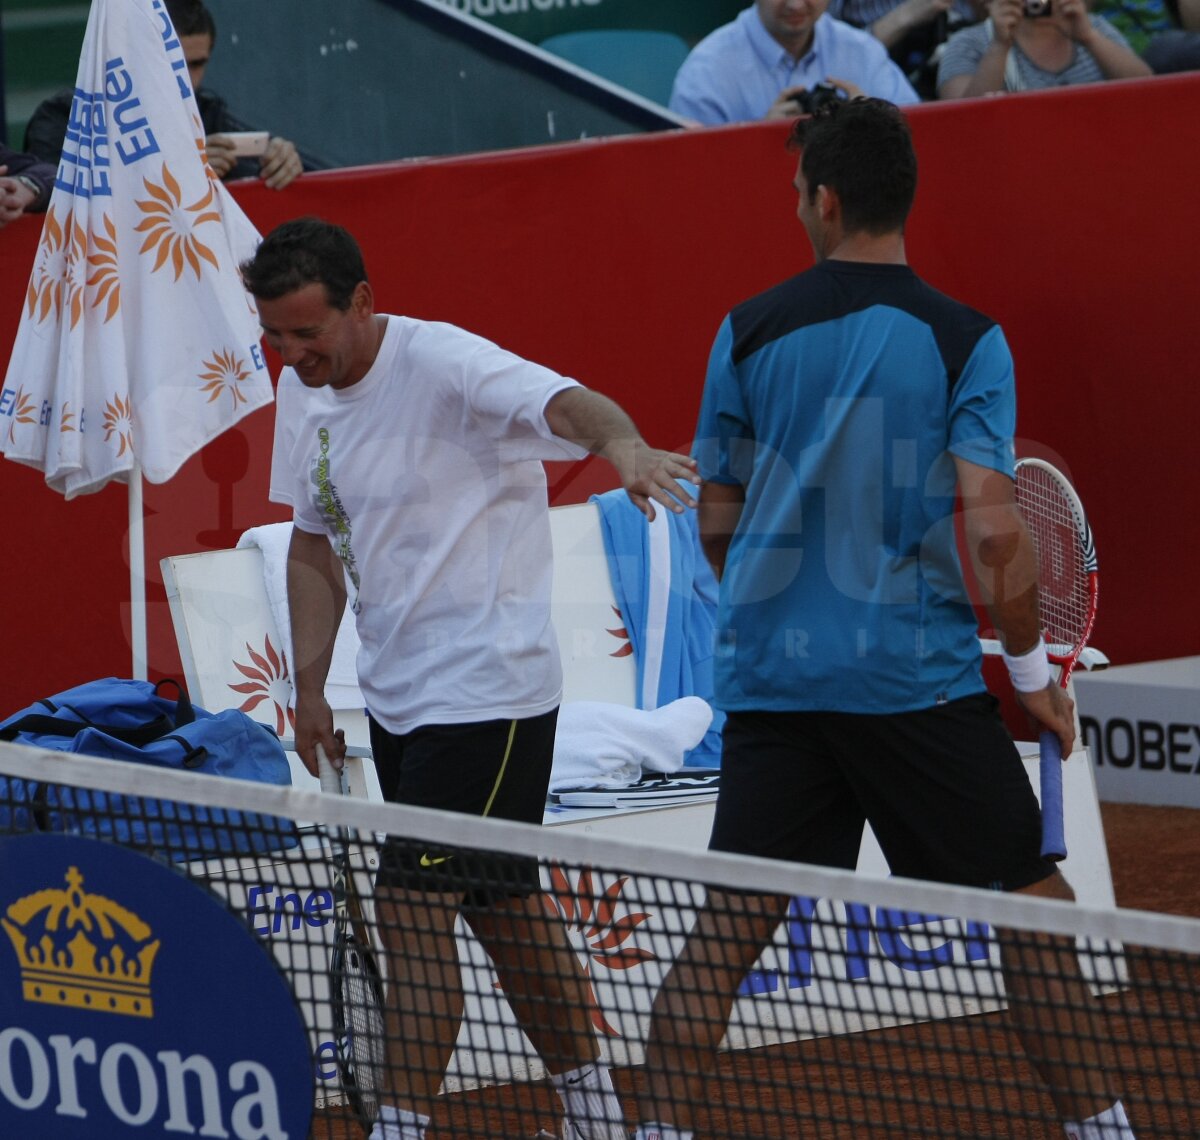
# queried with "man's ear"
point(829, 205)
point(362, 301)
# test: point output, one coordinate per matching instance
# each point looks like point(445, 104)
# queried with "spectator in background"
point(754, 67)
point(1028, 45)
point(197, 32)
point(912, 31)
point(25, 184)
point(1165, 33)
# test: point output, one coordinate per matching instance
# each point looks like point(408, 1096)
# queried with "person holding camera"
point(780, 59)
point(1029, 45)
point(277, 164)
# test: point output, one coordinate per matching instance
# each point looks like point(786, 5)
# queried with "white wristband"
point(1030, 672)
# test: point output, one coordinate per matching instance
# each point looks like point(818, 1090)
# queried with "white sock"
point(653, 1131)
point(1111, 1124)
point(590, 1102)
point(395, 1123)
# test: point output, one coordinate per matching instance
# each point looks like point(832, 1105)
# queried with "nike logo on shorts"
point(427, 862)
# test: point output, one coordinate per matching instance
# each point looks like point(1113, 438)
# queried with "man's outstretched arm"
point(648, 474)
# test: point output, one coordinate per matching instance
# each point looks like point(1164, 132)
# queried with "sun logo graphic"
point(225, 372)
point(118, 423)
point(24, 412)
point(202, 148)
point(269, 680)
point(621, 632)
point(103, 279)
point(58, 269)
point(66, 419)
point(170, 226)
point(74, 266)
point(598, 925)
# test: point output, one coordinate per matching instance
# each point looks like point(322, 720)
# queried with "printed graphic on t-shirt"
point(328, 502)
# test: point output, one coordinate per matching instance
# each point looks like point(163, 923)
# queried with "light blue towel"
point(667, 595)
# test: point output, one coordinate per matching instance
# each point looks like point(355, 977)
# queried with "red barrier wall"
point(1069, 216)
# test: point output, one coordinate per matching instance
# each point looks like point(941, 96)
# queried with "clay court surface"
point(933, 1084)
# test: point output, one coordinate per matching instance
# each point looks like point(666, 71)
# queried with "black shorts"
point(496, 768)
point(944, 789)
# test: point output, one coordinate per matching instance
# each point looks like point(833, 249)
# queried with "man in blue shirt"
point(752, 69)
point(843, 411)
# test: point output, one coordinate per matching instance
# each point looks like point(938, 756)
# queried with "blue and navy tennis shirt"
point(838, 399)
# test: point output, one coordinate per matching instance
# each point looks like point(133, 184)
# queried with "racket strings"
point(1063, 559)
point(365, 1055)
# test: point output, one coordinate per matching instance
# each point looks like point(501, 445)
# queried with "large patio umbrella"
point(137, 343)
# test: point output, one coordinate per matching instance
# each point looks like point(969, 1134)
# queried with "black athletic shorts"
point(944, 789)
point(495, 768)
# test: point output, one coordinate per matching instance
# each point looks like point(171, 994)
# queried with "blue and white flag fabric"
point(137, 343)
point(667, 595)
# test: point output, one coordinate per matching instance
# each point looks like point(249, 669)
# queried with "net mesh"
point(881, 1007)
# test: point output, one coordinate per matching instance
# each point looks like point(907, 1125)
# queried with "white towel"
point(601, 745)
point(341, 686)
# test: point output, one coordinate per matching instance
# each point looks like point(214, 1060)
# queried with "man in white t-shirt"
point(411, 455)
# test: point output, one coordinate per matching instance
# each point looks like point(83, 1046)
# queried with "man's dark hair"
point(301, 252)
point(862, 149)
point(191, 18)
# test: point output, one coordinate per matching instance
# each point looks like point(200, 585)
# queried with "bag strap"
point(184, 712)
point(138, 736)
point(193, 754)
point(43, 725)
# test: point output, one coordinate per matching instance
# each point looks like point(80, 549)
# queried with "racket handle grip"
point(1054, 845)
point(331, 778)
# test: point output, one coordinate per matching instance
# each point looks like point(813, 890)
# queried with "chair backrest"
point(233, 655)
point(643, 61)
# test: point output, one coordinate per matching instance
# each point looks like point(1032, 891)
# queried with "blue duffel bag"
point(117, 719)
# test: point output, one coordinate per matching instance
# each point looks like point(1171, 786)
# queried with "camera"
point(1035, 9)
point(249, 143)
point(812, 100)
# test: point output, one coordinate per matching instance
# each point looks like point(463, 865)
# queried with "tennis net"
point(879, 1009)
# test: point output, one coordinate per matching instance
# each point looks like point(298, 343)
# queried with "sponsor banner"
point(1141, 725)
point(289, 907)
point(536, 20)
point(133, 1002)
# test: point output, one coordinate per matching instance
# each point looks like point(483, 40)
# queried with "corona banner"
point(131, 999)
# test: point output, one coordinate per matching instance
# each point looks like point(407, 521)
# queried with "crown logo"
point(82, 950)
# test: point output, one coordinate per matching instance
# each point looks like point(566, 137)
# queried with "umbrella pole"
point(137, 574)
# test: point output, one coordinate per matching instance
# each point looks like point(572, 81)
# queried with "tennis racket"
point(1068, 588)
point(354, 981)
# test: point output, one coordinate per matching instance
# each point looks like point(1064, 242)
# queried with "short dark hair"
point(862, 149)
point(191, 18)
point(304, 251)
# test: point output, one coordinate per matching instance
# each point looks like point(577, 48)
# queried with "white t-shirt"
point(427, 477)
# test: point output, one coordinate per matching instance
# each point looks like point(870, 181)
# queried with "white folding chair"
point(233, 656)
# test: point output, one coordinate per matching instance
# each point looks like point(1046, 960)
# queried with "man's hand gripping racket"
point(1068, 589)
